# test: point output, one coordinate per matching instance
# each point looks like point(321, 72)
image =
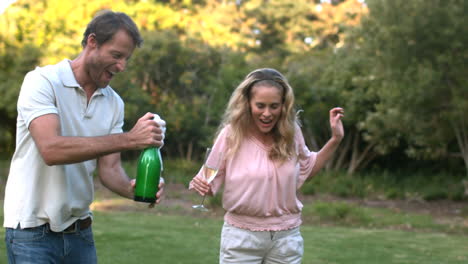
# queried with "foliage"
point(401, 85)
point(16, 59)
point(180, 171)
point(417, 55)
point(380, 184)
point(373, 184)
point(184, 81)
point(388, 63)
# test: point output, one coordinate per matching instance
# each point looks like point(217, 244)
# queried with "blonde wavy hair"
point(238, 114)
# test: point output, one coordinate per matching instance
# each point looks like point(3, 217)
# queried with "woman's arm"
point(337, 135)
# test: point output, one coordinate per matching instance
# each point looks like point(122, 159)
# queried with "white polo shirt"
point(36, 193)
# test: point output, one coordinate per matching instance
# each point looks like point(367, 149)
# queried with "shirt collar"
point(68, 78)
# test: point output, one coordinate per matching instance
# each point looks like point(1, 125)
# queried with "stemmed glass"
point(210, 169)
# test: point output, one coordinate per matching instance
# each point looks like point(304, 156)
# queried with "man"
point(70, 123)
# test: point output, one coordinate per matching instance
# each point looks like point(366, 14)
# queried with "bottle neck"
point(152, 148)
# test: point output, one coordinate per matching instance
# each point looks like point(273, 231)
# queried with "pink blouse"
point(260, 194)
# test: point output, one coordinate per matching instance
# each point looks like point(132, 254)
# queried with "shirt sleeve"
point(217, 158)
point(36, 98)
point(306, 158)
point(118, 125)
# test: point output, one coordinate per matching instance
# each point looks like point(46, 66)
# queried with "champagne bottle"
point(148, 175)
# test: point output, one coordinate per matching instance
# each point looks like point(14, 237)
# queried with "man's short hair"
point(107, 23)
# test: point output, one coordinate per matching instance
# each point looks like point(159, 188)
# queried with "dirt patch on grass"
point(453, 214)
point(177, 199)
point(441, 208)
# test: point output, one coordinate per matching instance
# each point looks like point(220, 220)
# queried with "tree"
point(184, 81)
point(336, 79)
point(418, 52)
point(16, 60)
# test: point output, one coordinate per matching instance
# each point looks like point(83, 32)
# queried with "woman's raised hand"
point(335, 123)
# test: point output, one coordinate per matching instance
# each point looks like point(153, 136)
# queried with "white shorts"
point(242, 246)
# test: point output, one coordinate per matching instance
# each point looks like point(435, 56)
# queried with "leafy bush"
point(180, 170)
point(390, 185)
point(216, 200)
point(433, 193)
point(341, 212)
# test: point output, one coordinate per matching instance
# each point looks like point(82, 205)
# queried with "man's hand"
point(159, 194)
point(147, 133)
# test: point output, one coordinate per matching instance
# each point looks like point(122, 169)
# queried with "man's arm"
point(56, 149)
point(113, 176)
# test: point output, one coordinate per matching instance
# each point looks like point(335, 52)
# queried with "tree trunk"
point(343, 150)
point(460, 129)
point(189, 150)
point(308, 135)
point(180, 149)
point(360, 159)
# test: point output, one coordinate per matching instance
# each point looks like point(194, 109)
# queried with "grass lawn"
point(139, 237)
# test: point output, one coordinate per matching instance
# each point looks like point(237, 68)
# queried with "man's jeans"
point(39, 245)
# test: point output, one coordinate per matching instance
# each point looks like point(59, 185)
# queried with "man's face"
point(110, 58)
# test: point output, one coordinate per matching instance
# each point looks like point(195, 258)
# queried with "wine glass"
point(210, 169)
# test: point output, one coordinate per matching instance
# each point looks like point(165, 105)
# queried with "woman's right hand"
point(201, 186)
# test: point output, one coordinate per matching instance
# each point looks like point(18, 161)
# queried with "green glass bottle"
point(148, 174)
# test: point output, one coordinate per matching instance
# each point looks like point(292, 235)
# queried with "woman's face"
point(265, 107)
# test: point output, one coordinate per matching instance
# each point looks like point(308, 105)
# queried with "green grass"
point(139, 237)
point(352, 215)
point(334, 232)
point(151, 238)
point(369, 246)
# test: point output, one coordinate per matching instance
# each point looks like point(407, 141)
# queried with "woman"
point(266, 162)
